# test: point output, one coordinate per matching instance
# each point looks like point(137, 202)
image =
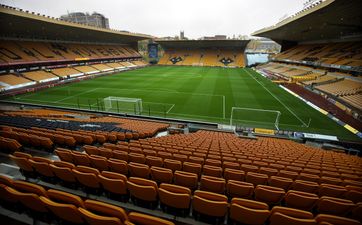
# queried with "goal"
point(122, 104)
point(260, 118)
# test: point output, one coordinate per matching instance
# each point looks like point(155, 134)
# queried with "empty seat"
point(249, 168)
point(105, 152)
point(143, 219)
point(121, 155)
point(232, 174)
point(118, 166)
point(213, 162)
point(280, 182)
point(24, 165)
point(334, 206)
point(239, 189)
point(64, 154)
point(331, 190)
point(154, 161)
point(99, 162)
point(90, 150)
point(330, 180)
point(268, 194)
point(354, 193)
point(41, 166)
point(6, 180)
point(161, 175)
point(309, 177)
point(207, 205)
point(282, 215)
point(186, 179)
point(64, 206)
point(305, 186)
point(288, 174)
point(143, 191)
point(96, 213)
point(80, 159)
point(335, 220)
point(114, 184)
point(172, 164)
point(28, 194)
point(88, 177)
point(230, 165)
point(256, 178)
point(268, 171)
point(212, 184)
point(248, 212)
point(192, 168)
point(136, 158)
point(22, 154)
point(212, 171)
point(300, 200)
point(64, 173)
point(139, 170)
point(175, 198)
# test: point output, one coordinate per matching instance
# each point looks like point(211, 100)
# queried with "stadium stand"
point(82, 167)
point(203, 58)
point(307, 179)
point(203, 53)
point(347, 53)
point(41, 76)
point(64, 72)
point(23, 52)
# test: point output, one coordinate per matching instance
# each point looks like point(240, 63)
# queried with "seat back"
point(113, 182)
point(248, 211)
point(161, 175)
point(142, 189)
point(87, 179)
point(239, 189)
point(67, 212)
point(210, 204)
point(212, 184)
point(301, 200)
point(118, 166)
point(105, 209)
point(175, 196)
point(143, 219)
point(63, 173)
point(139, 170)
point(186, 179)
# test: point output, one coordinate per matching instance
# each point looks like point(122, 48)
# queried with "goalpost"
point(123, 104)
point(254, 117)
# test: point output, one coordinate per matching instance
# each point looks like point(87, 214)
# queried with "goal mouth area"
point(252, 117)
point(123, 104)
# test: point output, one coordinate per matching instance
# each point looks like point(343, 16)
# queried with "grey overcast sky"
point(167, 17)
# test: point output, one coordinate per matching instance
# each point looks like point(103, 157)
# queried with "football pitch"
point(194, 93)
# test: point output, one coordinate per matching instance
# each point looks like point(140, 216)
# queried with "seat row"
point(240, 157)
point(211, 167)
point(9, 144)
point(146, 192)
point(29, 139)
point(54, 205)
point(63, 137)
point(206, 140)
point(207, 206)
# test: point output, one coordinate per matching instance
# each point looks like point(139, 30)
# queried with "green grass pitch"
point(194, 93)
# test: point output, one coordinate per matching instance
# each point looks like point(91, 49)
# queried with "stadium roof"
point(328, 20)
point(191, 44)
point(16, 23)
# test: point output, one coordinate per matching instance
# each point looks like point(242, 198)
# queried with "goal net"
point(250, 117)
point(122, 104)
